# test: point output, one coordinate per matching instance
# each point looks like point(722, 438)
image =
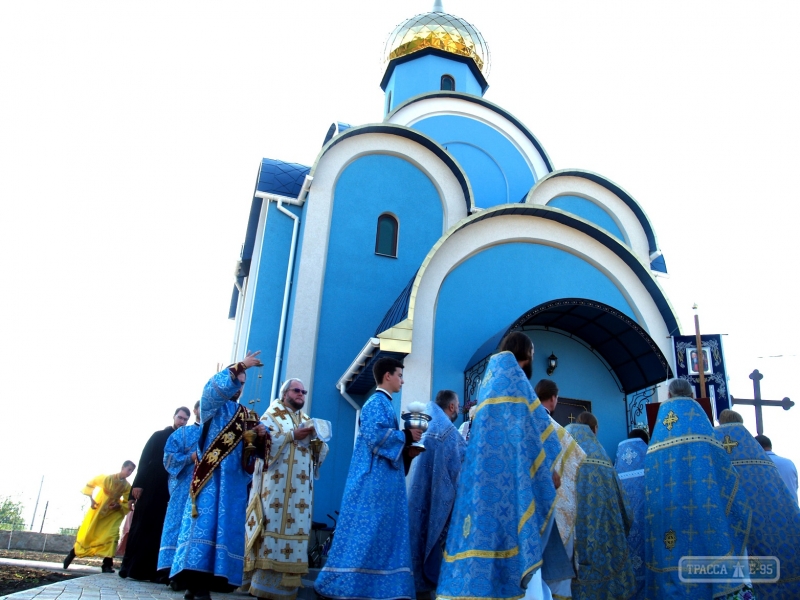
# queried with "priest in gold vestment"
point(99, 533)
point(279, 508)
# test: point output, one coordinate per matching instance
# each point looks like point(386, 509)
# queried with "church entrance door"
point(568, 409)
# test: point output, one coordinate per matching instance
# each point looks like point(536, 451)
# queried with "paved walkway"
point(110, 586)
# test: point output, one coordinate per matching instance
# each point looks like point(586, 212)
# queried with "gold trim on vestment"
point(299, 568)
point(501, 400)
point(538, 462)
point(547, 432)
point(527, 515)
point(481, 554)
point(685, 439)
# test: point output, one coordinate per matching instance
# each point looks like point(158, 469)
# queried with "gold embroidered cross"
point(280, 412)
point(276, 505)
point(669, 462)
point(690, 482)
point(729, 444)
point(649, 516)
point(302, 506)
point(709, 481)
point(267, 551)
point(303, 477)
point(290, 520)
point(287, 550)
point(689, 458)
point(670, 539)
point(671, 419)
point(709, 505)
point(303, 450)
point(252, 522)
point(276, 476)
point(670, 485)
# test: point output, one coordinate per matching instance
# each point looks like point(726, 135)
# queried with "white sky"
point(131, 134)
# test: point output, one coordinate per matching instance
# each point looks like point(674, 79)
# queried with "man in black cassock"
point(151, 494)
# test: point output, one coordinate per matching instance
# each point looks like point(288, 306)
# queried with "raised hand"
point(252, 360)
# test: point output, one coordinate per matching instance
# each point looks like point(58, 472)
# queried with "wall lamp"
point(552, 363)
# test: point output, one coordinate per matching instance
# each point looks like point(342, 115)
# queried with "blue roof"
point(334, 130)
point(659, 264)
point(399, 310)
point(281, 178)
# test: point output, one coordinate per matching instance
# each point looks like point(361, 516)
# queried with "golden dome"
point(438, 29)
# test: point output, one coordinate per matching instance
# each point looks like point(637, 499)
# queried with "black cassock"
point(141, 553)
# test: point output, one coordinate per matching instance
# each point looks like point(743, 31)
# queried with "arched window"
point(389, 102)
point(448, 83)
point(386, 236)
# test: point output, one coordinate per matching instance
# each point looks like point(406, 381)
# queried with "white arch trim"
point(302, 350)
point(625, 218)
point(469, 241)
point(415, 112)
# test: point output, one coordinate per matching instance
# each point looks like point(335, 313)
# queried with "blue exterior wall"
point(581, 375)
point(359, 287)
point(522, 276)
point(424, 74)
point(267, 303)
point(497, 172)
point(586, 209)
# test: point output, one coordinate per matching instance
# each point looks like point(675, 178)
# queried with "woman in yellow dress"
point(99, 532)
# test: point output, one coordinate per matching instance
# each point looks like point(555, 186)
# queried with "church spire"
point(437, 6)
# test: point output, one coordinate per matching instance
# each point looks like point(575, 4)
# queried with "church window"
point(388, 102)
point(386, 236)
point(448, 83)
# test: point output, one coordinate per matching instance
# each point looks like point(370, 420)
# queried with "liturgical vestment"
point(99, 532)
point(432, 485)
point(506, 496)
point(776, 516)
point(694, 503)
point(630, 467)
point(601, 531)
point(370, 556)
point(180, 466)
point(278, 518)
point(211, 541)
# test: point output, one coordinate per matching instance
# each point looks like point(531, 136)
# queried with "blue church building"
point(432, 234)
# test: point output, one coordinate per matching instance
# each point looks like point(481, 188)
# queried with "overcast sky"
point(131, 135)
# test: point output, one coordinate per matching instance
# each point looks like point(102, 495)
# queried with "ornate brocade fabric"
point(776, 517)
point(506, 495)
point(278, 518)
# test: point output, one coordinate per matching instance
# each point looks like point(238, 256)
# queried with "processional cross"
point(786, 404)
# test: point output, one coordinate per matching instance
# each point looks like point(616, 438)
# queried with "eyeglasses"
point(299, 391)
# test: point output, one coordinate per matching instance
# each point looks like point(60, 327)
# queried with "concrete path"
point(49, 566)
point(110, 586)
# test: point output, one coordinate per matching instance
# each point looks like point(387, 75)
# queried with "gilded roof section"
point(442, 31)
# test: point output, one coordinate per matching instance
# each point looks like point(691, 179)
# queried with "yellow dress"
point(99, 532)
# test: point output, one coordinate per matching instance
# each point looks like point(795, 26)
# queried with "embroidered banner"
point(688, 364)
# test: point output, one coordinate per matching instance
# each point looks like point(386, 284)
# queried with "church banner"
point(689, 362)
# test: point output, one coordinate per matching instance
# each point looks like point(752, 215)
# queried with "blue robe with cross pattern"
point(371, 556)
point(694, 504)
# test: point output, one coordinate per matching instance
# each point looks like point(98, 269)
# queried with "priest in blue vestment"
point(604, 570)
point(210, 550)
point(695, 504)
point(180, 454)
point(432, 484)
point(776, 516)
point(506, 493)
point(370, 556)
point(630, 468)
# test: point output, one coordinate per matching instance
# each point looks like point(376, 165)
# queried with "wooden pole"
point(701, 361)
